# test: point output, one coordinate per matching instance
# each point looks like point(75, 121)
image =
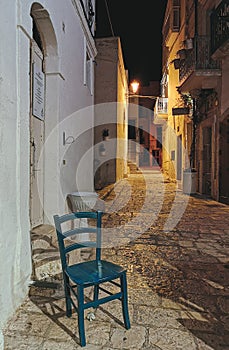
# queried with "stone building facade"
point(111, 112)
point(195, 82)
point(47, 90)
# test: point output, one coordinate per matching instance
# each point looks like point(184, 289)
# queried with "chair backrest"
point(67, 238)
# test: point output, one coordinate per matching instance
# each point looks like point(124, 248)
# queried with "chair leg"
point(80, 295)
point(67, 297)
point(96, 292)
point(125, 301)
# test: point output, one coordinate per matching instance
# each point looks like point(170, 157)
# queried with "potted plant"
point(102, 150)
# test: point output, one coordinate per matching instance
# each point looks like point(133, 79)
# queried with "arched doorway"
point(43, 58)
point(37, 120)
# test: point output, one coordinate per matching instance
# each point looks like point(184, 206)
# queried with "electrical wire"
point(109, 18)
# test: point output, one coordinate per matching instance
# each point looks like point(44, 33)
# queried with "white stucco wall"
point(66, 95)
point(15, 255)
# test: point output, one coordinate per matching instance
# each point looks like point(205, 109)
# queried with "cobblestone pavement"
point(178, 274)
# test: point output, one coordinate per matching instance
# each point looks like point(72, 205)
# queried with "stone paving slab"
point(178, 280)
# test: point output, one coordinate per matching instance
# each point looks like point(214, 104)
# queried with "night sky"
point(139, 26)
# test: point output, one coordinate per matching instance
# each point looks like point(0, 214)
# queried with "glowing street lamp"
point(134, 85)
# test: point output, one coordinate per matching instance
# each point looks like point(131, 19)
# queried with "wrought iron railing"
point(88, 12)
point(161, 106)
point(197, 58)
point(220, 26)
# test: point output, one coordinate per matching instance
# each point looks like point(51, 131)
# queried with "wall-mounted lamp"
point(105, 134)
point(68, 140)
point(134, 88)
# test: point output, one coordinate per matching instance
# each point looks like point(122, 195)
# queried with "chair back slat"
point(76, 215)
point(77, 231)
point(64, 235)
point(87, 244)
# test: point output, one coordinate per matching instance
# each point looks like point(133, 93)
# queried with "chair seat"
point(87, 273)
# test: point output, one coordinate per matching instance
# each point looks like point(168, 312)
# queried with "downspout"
point(194, 126)
point(194, 98)
point(196, 17)
point(196, 28)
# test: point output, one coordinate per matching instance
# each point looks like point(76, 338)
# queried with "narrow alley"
point(175, 248)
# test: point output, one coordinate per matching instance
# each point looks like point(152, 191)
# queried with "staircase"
point(133, 168)
point(46, 262)
point(45, 254)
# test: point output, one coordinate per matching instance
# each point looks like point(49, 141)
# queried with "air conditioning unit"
point(188, 44)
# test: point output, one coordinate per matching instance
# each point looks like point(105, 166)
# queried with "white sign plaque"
point(38, 92)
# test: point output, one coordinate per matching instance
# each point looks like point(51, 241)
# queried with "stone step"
point(45, 254)
point(46, 257)
point(133, 168)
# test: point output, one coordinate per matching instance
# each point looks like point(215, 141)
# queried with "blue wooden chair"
point(81, 275)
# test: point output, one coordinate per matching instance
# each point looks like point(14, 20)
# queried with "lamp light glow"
point(134, 85)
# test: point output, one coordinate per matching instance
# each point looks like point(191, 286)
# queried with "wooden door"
point(37, 137)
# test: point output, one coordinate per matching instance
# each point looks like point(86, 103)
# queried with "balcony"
point(198, 70)
point(220, 30)
point(88, 12)
point(161, 110)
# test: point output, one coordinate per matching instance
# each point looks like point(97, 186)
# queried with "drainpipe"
point(194, 126)
point(194, 98)
point(196, 27)
point(196, 18)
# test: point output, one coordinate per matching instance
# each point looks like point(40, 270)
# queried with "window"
point(159, 137)
point(142, 111)
point(131, 130)
point(141, 135)
point(176, 15)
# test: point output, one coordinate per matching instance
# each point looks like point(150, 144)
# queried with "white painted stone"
point(133, 338)
point(1, 341)
point(65, 94)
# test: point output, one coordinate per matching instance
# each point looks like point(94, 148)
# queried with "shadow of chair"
point(93, 273)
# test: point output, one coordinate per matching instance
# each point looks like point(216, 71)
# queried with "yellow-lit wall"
point(122, 116)
point(208, 85)
point(110, 111)
point(176, 127)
